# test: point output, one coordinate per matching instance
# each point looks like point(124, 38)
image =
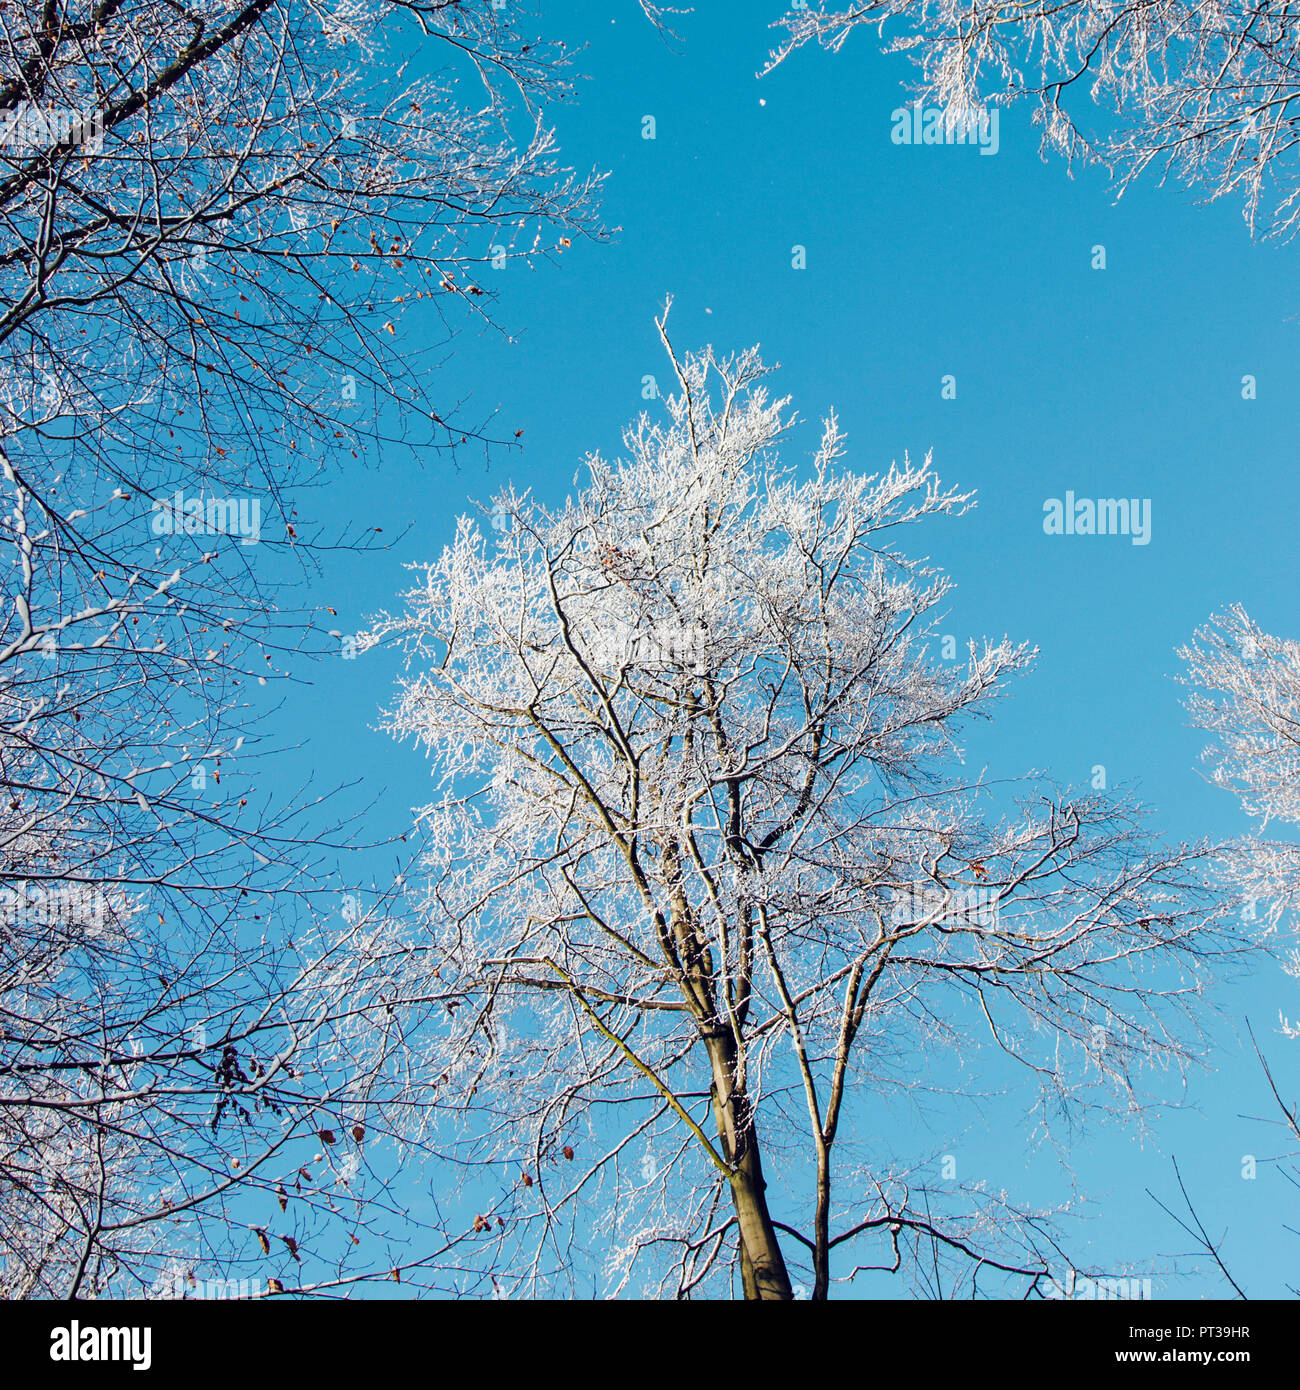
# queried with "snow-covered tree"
point(199, 1059)
point(719, 890)
point(1246, 694)
point(216, 220)
point(202, 1078)
point(1206, 91)
point(213, 219)
point(1244, 691)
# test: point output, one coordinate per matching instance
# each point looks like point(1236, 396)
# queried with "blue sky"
point(921, 262)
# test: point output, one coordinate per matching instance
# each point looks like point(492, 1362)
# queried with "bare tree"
point(203, 1040)
point(1206, 91)
point(719, 890)
point(203, 272)
point(180, 1107)
point(215, 221)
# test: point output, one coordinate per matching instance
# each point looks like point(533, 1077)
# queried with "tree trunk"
point(762, 1265)
point(821, 1225)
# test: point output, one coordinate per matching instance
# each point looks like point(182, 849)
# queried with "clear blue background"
point(921, 261)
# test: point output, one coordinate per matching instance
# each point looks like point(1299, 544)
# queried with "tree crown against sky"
point(1206, 91)
point(715, 877)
